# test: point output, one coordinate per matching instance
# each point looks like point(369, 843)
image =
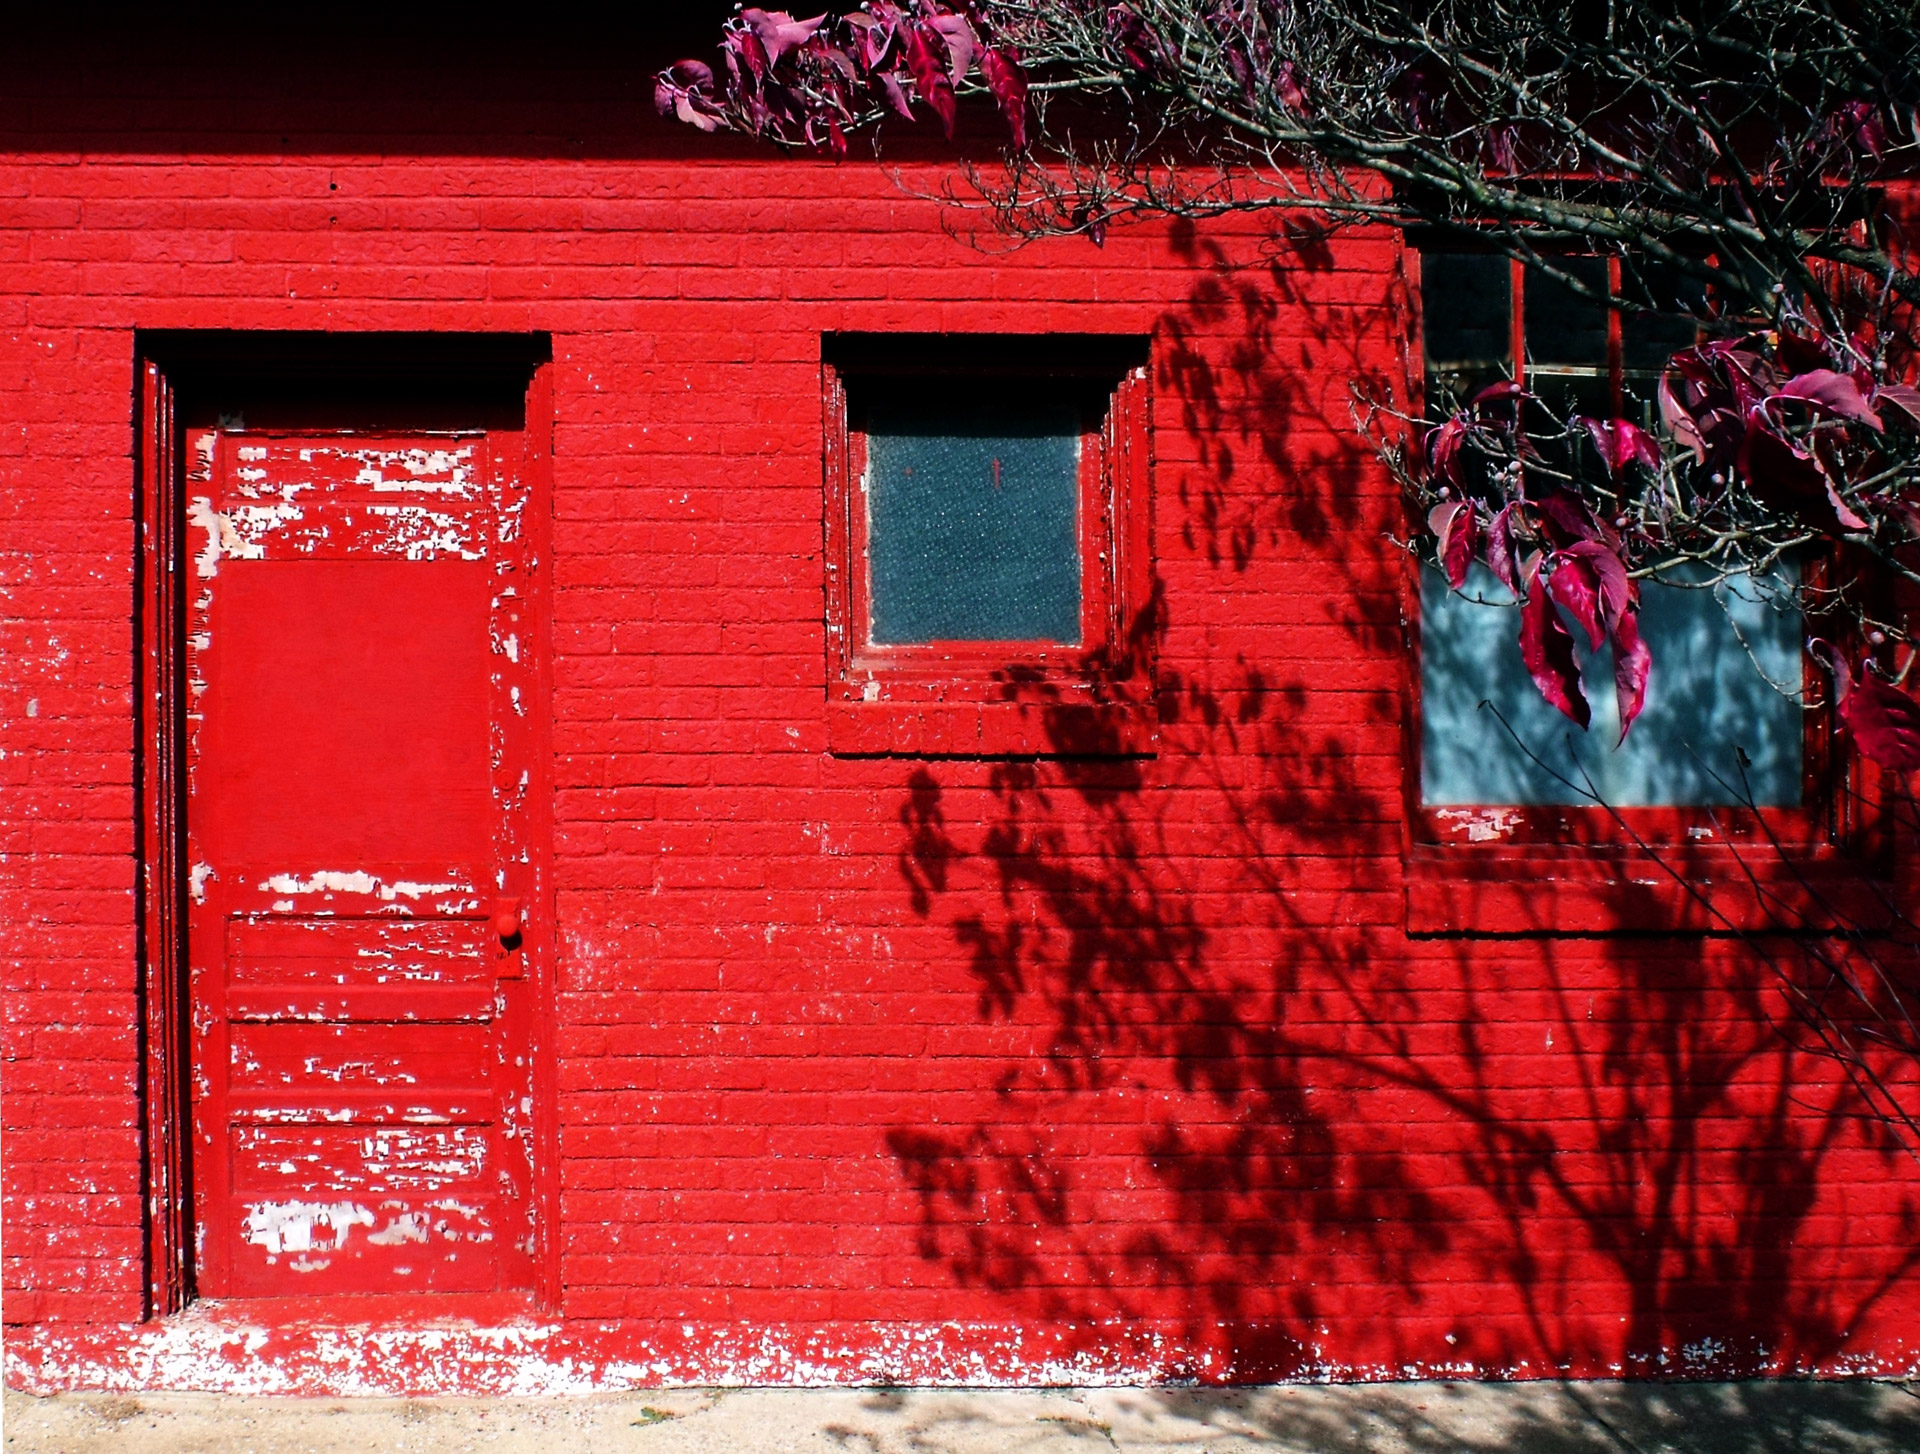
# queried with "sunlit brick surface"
point(881, 1067)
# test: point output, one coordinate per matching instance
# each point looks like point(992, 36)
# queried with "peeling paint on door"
point(361, 1052)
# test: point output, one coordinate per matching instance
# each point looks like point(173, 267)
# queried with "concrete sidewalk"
point(1406, 1418)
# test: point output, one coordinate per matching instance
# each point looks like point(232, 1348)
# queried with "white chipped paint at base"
point(195, 1353)
point(208, 1349)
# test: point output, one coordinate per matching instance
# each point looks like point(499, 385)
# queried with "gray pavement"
point(1404, 1418)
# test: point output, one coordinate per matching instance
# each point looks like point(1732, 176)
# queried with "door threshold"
point(373, 1311)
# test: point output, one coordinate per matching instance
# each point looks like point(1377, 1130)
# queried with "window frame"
point(1576, 868)
point(990, 698)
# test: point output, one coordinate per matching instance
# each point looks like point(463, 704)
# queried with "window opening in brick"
point(974, 523)
point(1727, 654)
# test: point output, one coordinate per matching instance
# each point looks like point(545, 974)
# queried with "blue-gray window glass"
point(973, 523)
point(1726, 673)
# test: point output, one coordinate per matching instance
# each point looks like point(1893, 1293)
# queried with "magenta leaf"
point(1546, 646)
point(1135, 42)
point(929, 76)
point(743, 45)
point(1622, 442)
point(1858, 124)
point(1293, 95)
point(1843, 512)
point(685, 90)
point(1443, 450)
point(1456, 526)
point(1800, 353)
point(778, 32)
point(961, 43)
point(1885, 721)
point(1679, 422)
point(1632, 665)
point(1008, 82)
point(896, 93)
point(1502, 553)
point(874, 32)
point(1568, 514)
point(1903, 397)
point(1783, 476)
point(1837, 393)
point(1498, 392)
point(1502, 142)
point(1614, 587)
point(687, 109)
point(1575, 585)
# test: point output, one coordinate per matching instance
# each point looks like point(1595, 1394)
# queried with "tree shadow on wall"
point(1235, 1106)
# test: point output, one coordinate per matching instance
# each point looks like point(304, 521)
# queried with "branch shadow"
point(1234, 1102)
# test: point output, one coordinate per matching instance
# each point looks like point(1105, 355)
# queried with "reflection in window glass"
point(973, 523)
point(1708, 693)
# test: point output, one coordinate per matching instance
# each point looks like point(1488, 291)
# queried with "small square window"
point(973, 522)
point(986, 547)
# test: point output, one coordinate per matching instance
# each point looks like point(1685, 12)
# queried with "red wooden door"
point(360, 681)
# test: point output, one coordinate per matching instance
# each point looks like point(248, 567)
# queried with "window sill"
point(990, 729)
point(1540, 890)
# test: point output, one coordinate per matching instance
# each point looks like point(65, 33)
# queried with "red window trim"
point(1568, 869)
point(974, 699)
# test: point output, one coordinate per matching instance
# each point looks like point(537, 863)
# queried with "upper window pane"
point(1562, 326)
point(1465, 304)
point(1707, 694)
point(974, 523)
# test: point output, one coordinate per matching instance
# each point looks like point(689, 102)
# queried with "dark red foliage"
point(1621, 442)
point(1009, 86)
point(930, 82)
point(1632, 665)
point(1884, 721)
point(1546, 646)
point(1457, 528)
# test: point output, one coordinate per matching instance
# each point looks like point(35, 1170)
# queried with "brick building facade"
point(784, 993)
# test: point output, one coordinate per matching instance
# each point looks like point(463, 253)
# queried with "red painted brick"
point(1112, 1047)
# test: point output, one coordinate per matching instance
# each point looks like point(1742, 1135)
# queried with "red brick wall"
point(933, 1069)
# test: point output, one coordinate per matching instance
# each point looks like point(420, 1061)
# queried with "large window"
point(1727, 654)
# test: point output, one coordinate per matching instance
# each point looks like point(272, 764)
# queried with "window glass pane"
point(1561, 326)
point(1648, 340)
point(973, 523)
point(1706, 694)
point(1466, 309)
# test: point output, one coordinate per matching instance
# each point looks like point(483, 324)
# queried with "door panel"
point(395, 767)
point(359, 676)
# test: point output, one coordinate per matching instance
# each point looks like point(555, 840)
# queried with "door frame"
point(170, 367)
